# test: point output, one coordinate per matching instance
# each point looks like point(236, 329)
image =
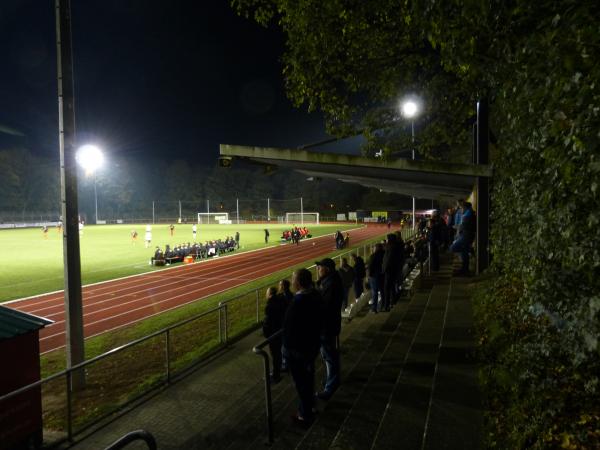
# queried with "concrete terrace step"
point(355, 405)
point(456, 413)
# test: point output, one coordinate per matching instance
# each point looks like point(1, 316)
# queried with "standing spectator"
point(393, 261)
point(266, 236)
point(457, 219)
point(332, 291)
point(347, 274)
point(360, 273)
point(435, 237)
point(466, 236)
point(286, 294)
point(237, 239)
point(274, 314)
point(376, 277)
point(301, 330)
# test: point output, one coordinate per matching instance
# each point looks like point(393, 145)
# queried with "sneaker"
point(297, 419)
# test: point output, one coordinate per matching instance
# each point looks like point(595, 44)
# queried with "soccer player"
point(45, 231)
point(194, 230)
point(171, 229)
point(134, 235)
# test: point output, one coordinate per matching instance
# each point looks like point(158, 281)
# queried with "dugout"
point(20, 416)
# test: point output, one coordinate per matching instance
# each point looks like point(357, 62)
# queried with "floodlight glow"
point(409, 109)
point(90, 158)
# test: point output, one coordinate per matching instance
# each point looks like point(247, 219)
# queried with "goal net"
point(301, 218)
point(221, 218)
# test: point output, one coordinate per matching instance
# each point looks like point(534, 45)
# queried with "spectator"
point(301, 330)
point(273, 322)
point(466, 236)
point(376, 276)
point(332, 291)
point(360, 273)
point(237, 239)
point(286, 294)
point(436, 238)
point(393, 261)
point(347, 274)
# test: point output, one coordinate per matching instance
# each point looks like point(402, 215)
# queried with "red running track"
point(117, 303)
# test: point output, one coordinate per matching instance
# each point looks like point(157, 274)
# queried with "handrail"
point(258, 349)
point(132, 436)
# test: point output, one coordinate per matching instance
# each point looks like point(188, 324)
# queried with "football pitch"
point(33, 264)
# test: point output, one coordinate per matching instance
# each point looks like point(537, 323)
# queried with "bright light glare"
point(90, 158)
point(409, 109)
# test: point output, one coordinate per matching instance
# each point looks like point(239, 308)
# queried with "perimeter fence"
point(125, 374)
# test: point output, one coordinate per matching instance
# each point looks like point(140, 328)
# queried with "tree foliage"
point(538, 64)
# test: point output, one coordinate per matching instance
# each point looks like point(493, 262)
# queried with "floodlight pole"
point(153, 212)
point(208, 209)
point(237, 209)
point(96, 198)
point(68, 192)
point(180, 210)
point(412, 130)
point(301, 212)
point(268, 209)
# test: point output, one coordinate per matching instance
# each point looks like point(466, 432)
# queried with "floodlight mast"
point(68, 193)
point(410, 109)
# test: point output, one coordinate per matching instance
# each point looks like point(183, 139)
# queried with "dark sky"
point(172, 79)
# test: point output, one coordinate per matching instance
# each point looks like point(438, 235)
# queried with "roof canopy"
point(14, 323)
point(420, 179)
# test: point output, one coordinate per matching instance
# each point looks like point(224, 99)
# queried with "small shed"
point(21, 415)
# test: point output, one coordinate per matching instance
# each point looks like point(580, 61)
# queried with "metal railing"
point(137, 435)
point(120, 376)
point(259, 350)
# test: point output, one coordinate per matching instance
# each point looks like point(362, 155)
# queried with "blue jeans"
point(375, 284)
point(462, 245)
point(331, 356)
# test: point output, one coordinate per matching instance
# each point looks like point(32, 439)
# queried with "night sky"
point(152, 78)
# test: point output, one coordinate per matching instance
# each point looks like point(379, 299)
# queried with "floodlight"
point(90, 158)
point(410, 109)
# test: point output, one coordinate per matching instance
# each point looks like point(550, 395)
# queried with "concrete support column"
point(483, 192)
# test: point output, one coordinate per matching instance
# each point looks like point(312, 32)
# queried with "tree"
point(537, 62)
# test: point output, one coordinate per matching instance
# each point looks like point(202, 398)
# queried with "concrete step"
point(456, 412)
point(404, 420)
point(336, 409)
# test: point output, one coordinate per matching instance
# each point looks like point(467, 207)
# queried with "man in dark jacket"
point(393, 261)
point(375, 268)
point(301, 341)
point(436, 237)
point(273, 322)
point(332, 291)
point(360, 272)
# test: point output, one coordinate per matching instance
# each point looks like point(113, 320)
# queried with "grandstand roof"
point(421, 179)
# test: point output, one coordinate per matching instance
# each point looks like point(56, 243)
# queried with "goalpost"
point(221, 218)
point(302, 218)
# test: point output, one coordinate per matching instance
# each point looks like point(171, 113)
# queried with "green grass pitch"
point(34, 264)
